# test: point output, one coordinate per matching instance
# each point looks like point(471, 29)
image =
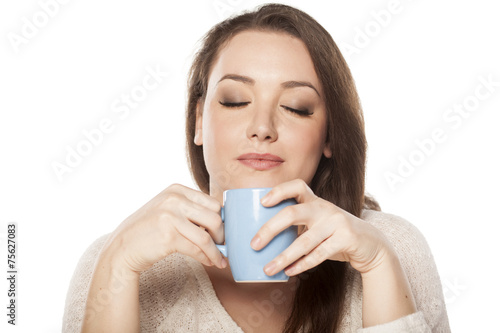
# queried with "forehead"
point(265, 56)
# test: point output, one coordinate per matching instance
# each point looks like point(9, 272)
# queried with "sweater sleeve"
point(76, 297)
point(420, 268)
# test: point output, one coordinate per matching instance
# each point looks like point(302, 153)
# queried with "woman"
point(271, 104)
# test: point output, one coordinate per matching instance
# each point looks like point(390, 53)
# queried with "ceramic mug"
point(243, 215)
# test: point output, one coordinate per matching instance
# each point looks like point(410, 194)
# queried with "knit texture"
point(176, 294)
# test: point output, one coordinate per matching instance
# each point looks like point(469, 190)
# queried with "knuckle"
point(164, 217)
point(168, 243)
point(200, 200)
point(275, 191)
point(210, 202)
point(213, 221)
point(306, 241)
point(315, 256)
point(265, 231)
point(205, 200)
point(309, 260)
point(189, 210)
point(206, 239)
point(170, 236)
point(320, 253)
point(172, 200)
point(217, 206)
point(282, 258)
point(289, 212)
point(301, 185)
point(197, 252)
point(174, 187)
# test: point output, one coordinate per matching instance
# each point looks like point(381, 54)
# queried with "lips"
point(260, 161)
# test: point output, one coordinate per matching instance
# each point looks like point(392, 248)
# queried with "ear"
point(327, 151)
point(198, 132)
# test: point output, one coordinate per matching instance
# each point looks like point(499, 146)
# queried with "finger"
point(326, 250)
point(290, 215)
point(202, 240)
point(205, 218)
point(302, 246)
point(297, 189)
point(199, 197)
point(185, 246)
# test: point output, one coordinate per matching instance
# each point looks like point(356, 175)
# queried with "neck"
point(217, 193)
point(258, 288)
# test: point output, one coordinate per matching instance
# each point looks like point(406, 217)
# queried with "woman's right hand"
point(179, 219)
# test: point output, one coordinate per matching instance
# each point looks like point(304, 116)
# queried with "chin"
point(254, 182)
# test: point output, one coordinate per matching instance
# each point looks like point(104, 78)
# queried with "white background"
point(64, 79)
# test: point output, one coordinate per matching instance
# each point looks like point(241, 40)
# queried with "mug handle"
point(222, 248)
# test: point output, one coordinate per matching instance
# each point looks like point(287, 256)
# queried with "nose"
point(262, 126)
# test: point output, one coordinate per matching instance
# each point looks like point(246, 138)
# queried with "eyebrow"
point(285, 85)
point(294, 84)
point(236, 77)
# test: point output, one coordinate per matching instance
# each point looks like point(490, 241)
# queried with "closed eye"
point(233, 105)
point(299, 112)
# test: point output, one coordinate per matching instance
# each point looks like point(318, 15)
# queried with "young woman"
point(271, 104)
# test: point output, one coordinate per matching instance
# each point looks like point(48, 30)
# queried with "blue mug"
point(243, 215)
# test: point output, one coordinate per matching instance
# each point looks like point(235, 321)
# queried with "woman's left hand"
point(330, 233)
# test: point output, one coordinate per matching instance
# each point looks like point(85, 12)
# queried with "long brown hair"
point(319, 298)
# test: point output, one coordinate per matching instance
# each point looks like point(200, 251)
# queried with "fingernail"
point(289, 271)
point(269, 268)
point(223, 263)
point(255, 242)
point(265, 199)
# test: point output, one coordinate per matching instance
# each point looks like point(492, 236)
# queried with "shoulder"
point(85, 265)
point(76, 296)
point(94, 249)
point(408, 242)
point(160, 286)
point(404, 236)
point(418, 262)
point(388, 222)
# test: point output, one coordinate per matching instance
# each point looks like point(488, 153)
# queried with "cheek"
point(218, 140)
point(309, 141)
point(218, 130)
point(225, 133)
point(307, 146)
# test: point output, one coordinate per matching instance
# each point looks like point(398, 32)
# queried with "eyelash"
point(235, 105)
point(303, 113)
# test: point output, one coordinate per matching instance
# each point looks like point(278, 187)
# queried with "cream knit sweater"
point(176, 294)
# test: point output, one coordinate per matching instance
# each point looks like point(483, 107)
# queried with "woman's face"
point(263, 121)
